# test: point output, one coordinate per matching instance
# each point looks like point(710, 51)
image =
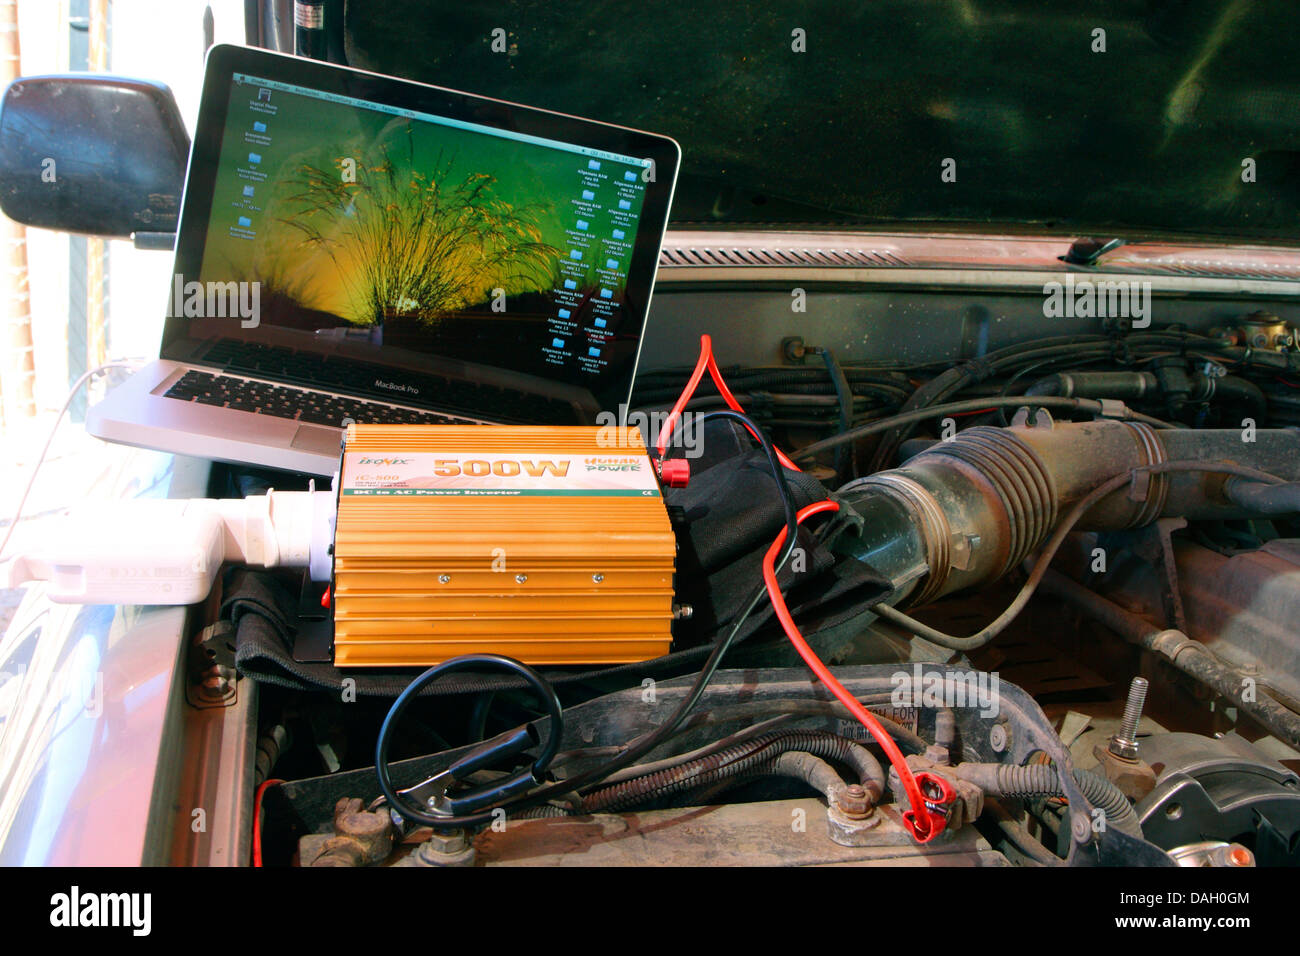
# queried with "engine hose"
point(1041, 780)
point(845, 395)
point(1264, 499)
point(812, 770)
point(974, 371)
point(810, 374)
point(543, 811)
point(793, 764)
point(738, 761)
point(861, 388)
point(1130, 386)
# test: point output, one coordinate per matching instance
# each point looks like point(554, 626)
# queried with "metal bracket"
point(1031, 416)
point(211, 665)
point(1112, 408)
point(1154, 542)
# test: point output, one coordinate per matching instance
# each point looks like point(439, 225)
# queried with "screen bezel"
point(225, 60)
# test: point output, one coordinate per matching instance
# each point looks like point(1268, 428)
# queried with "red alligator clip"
point(940, 801)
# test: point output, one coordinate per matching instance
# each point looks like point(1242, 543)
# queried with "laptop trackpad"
point(318, 439)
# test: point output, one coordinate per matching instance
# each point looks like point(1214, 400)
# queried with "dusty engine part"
point(850, 815)
point(969, 802)
point(1213, 853)
point(1133, 777)
point(361, 838)
point(1264, 330)
point(449, 848)
point(766, 833)
point(1243, 607)
point(1192, 657)
point(1172, 382)
point(735, 698)
point(965, 511)
point(1119, 759)
point(1041, 780)
point(1223, 789)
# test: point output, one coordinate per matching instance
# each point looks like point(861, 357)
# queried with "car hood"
point(1122, 117)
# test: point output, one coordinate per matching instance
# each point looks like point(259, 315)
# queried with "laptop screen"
point(387, 239)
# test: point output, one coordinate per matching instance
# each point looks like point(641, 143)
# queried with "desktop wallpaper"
point(394, 230)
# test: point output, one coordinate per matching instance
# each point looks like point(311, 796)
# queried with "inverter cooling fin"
point(551, 545)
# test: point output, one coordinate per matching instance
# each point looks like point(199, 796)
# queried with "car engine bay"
point(1075, 550)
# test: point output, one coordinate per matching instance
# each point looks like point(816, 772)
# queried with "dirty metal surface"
point(775, 833)
point(752, 834)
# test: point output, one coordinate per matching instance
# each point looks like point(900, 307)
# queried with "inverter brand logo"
point(383, 461)
point(613, 464)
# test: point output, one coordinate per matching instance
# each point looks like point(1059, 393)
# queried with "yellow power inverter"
point(550, 545)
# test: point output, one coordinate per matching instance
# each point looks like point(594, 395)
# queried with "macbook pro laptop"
point(354, 247)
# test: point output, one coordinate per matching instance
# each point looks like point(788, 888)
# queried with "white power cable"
point(72, 393)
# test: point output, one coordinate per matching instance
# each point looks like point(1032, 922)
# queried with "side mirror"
point(94, 154)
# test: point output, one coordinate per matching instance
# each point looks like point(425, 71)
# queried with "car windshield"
point(1121, 117)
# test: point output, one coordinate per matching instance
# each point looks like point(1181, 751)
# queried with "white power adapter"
point(163, 551)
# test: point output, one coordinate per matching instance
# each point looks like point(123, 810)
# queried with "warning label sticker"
point(476, 473)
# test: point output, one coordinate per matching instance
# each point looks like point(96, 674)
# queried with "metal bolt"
point(854, 802)
point(598, 578)
point(1080, 828)
point(447, 841)
point(215, 685)
point(1124, 743)
point(998, 738)
point(444, 578)
point(450, 848)
point(520, 578)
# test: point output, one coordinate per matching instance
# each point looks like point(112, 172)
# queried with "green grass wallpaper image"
point(418, 244)
point(398, 219)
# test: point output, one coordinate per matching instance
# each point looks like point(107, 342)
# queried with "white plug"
point(164, 551)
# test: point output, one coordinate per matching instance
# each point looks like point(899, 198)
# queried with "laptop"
point(358, 248)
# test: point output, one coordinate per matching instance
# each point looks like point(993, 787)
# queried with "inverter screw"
point(520, 578)
point(444, 578)
point(598, 578)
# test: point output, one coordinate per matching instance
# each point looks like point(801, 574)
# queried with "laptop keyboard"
point(304, 371)
point(318, 408)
